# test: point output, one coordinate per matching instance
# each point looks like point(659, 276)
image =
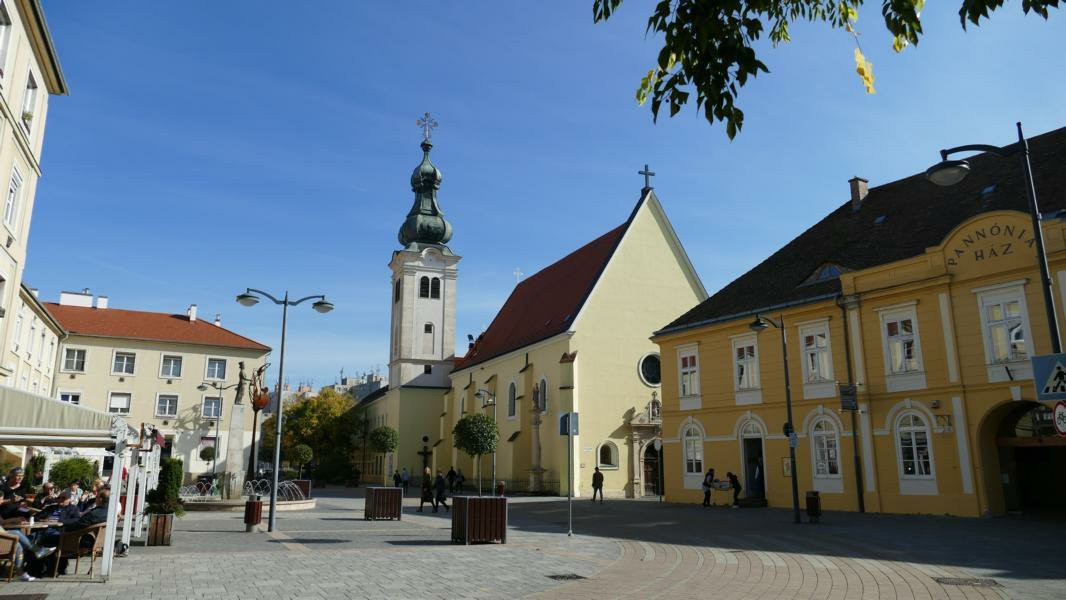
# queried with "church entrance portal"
point(651, 471)
point(1032, 458)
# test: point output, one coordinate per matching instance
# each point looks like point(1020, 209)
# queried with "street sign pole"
point(659, 451)
point(569, 477)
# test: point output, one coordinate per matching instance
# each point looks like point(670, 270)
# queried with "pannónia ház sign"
point(991, 242)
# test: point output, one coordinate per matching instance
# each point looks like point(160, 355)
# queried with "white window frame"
point(753, 393)
point(692, 466)
point(177, 402)
point(114, 357)
point(512, 401)
point(904, 380)
point(1001, 294)
point(30, 100)
point(207, 368)
point(5, 39)
point(129, 406)
point(915, 484)
point(824, 385)
point(614, 454)
point(826, 482)
point(688, 395)
point(163, 361)
point(203, 407)
point(65, 392)
point(13, 200)
point(31, 340)
point(84, 361)
point(40, 350)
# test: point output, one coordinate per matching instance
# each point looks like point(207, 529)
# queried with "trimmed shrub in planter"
point(72, 469)
point(163, 502)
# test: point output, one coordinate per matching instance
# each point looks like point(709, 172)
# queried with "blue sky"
point(208, 147)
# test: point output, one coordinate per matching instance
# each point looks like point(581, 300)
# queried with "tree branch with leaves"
point(708, 44)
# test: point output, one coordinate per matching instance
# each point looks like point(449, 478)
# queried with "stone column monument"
point(232, 483)
point(536, 473)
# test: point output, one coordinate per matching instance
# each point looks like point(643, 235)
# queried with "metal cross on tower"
point(647, 173)
point(518, 275)
point(428, 124)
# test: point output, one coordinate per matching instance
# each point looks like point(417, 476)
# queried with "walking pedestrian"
point(460, 479)
point(397, 481)
point(597, 485)
point(427, 491)
point(406, 478)
point(734, 483)
point(439, 487)
point(708, 484)
point(451, 479)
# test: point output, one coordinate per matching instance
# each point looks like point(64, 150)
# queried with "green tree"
point(708, 46)
point(164, 499)
point(207, 453)
point(301, 455)
point(325, 422)
point(384, 439)
point(476, 434)
point(72, 469)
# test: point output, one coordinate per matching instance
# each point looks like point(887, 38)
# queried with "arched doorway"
point(652, 484)
point(1024, 459)
point(751, 440)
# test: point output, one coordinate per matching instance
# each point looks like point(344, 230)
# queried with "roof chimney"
point(859, 189)
point(36, 292)
point(218, 319)
point(84, 299)
point(191, 313)
point(101, 302)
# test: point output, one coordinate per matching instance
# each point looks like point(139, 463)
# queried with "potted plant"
point(27, 116)
point(383, 502)
point(163, 503)
point(477, 519)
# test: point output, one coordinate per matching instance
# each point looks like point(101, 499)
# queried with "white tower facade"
point(424, 274)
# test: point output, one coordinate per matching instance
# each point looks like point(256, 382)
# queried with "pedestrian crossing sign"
point(1049, 376)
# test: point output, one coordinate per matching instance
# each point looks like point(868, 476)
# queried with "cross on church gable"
point(648, 174)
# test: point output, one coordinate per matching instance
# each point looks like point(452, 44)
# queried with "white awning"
point(28, 419)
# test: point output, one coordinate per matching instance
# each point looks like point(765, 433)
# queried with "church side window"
point(427, 339)
point(435, 288)
point(543, 398)
point(423, 287)
point(511, 400)
point(693, 445)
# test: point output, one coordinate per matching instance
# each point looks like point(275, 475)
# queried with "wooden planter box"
point(479, 519)
point(304, 485)
point(159, 527)
point(384, 503)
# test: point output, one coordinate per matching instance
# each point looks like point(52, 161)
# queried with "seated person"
point(88, 499)
point(25, 545)
point(14, 493)
point(48, 496)
point(63, 510)
point(97, 514)
point(75, 490)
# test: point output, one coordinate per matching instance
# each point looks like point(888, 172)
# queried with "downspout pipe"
point(843, 301)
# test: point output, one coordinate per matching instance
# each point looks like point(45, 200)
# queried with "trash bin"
point(814, 506)
point(253, 513)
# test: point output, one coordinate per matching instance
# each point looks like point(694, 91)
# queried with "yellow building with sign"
point(929, 301)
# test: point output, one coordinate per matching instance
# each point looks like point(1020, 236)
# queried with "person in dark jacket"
point(451, 479)
point(597, 485)
point(63, 510)
point(427, 490)
point(396, 480)
point(734, 483)
point(98, 514)
point(49, 496)
point(14, 492)
point(439, 487)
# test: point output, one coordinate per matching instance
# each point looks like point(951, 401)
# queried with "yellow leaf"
point(646, 85)
point(865, 70)
point(899, 43)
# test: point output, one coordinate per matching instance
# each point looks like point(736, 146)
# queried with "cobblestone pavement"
point(623, 549)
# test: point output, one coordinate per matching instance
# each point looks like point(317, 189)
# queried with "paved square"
point(623, 549)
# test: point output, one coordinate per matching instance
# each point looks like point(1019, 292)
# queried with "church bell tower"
point(423, 284)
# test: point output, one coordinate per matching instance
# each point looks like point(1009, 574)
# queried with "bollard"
point(253, 514)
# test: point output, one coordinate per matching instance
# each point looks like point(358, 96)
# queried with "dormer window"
point(825, 272)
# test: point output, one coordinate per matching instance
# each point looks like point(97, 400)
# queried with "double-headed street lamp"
point(219, 387)
point(249, 298)
point(949, 172)
point(489, 399)
point(759, 324)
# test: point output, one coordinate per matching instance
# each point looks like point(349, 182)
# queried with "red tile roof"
point(142, 325)
point(546, 303)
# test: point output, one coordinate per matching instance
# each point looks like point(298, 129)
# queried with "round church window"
point(649, 369)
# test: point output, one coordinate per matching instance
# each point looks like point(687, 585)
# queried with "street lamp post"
point(759, 324)
point(203, 387)
point(489, 399)
point(249, 298)
point(949, 172)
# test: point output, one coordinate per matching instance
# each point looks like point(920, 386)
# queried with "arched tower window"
point(427, 339)
point(435, 288)
point(423, 287)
